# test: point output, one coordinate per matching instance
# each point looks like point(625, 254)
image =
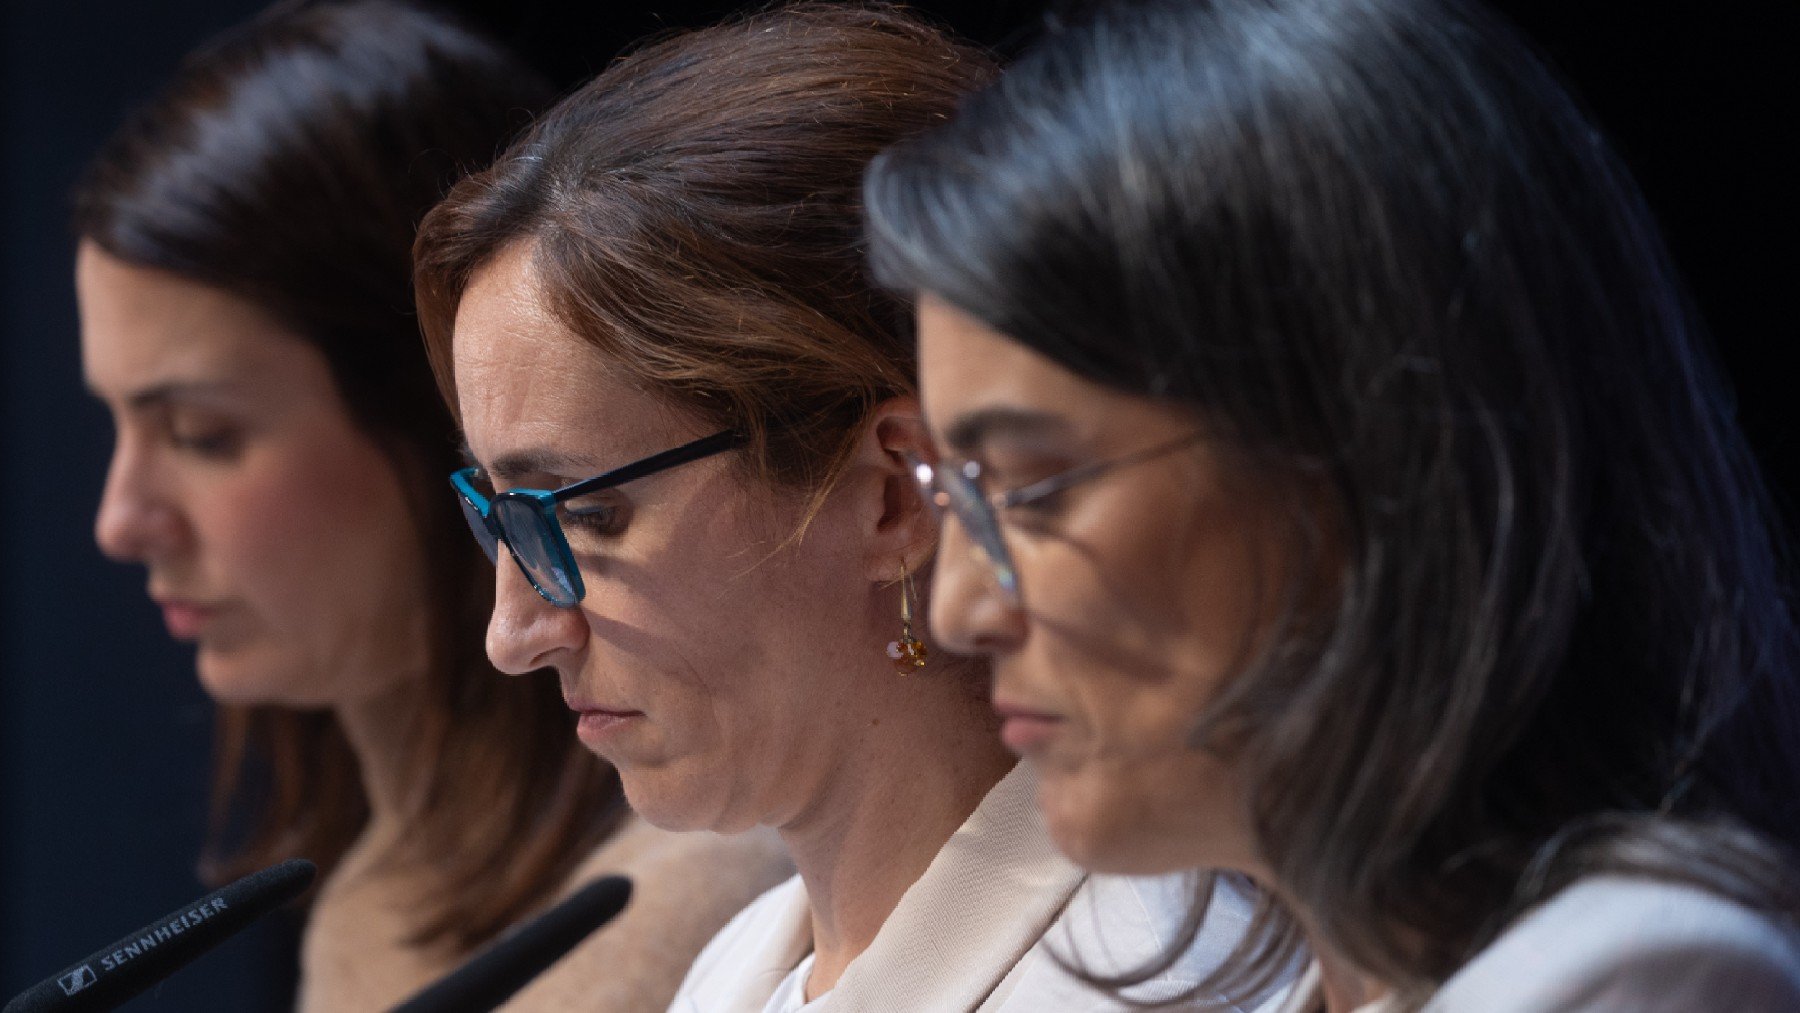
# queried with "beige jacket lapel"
point(988, 897)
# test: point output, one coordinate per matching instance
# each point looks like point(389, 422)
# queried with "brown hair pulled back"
point(695, 213)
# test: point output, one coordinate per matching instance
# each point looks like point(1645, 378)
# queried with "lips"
point(594, 724)
point(186, 620)
point(1026, 729)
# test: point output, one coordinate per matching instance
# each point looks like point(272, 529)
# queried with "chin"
point(239, 678)
point(1092, 847)
point(1089, 826)
point(226, 684)
point(674, 800)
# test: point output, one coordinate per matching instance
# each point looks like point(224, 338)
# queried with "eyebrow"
point(163, 393)
point(527, 463)
point(967, 432)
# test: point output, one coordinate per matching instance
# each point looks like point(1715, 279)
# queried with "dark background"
point(104, 734)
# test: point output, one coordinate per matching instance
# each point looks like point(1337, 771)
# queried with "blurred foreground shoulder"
point(1612, 944)
point(685, 887)
point(1116, 925)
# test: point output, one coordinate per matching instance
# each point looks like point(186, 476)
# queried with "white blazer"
point(1616, 943)
point(977, 931)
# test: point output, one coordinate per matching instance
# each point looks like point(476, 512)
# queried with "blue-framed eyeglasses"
point(531, 522)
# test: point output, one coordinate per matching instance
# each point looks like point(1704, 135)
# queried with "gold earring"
point(909, 651)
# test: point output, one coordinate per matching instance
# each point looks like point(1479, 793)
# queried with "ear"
point(900, 530)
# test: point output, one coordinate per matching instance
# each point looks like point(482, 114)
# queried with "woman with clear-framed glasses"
point(1335, 478)
point(243, 280)
point(688, 416)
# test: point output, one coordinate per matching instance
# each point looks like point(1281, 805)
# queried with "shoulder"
point(684, 888)
point(1123, 922)
point(751, 955)
point(1624, 943)
point(1118, 924)
point(763, 917)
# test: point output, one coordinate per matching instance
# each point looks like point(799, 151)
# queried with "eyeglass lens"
point(976, 514)
point(532, 537)
point(478, 527)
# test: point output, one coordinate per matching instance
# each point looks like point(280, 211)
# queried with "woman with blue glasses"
point(689, 417)
point(1343, 496)
point(243, 280)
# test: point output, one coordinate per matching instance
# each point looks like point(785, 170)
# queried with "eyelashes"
point(210, 440)
point(589, 522)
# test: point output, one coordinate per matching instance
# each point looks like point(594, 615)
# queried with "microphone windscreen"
point(493, 975)
point(115, 973)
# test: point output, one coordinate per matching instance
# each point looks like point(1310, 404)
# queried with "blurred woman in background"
point(690, 414)
point(1344, 497)
point(243, 280)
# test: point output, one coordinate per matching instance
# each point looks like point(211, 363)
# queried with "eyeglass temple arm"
point(706, 446)
point(1081, 473)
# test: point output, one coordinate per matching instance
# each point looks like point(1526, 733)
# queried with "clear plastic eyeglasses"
point(955, 485)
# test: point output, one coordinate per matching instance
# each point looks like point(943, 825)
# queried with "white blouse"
point(980, 930)
point(1621, 945)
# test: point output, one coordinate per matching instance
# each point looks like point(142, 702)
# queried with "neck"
point(1345, 987)
point(381, 730)
point(915, 774)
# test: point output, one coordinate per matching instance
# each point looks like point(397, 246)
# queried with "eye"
point(588, 521)
point(1035, 515)
point(1014, 471)
point(1048, 503)
point(203, 436)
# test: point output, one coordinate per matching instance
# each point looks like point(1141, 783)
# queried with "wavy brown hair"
point(288, 164)
point(695, 212)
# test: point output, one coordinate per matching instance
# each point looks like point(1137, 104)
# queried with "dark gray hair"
point(1379, 249)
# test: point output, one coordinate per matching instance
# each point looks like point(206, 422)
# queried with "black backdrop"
point(103, 733)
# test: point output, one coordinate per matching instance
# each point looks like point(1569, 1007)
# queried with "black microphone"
point(118, 972)
point(494, 974)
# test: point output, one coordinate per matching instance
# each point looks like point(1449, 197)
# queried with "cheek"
point(266, 543)
point(714, 603)
point(731, 645)
point(1146, 816)
point(1165, 606)
point(1146, 619)
point(318, 546)
point(270, 526)
point(739, 656)
point(1094, 815)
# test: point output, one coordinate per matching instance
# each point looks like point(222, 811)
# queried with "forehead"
point(962, 359)
point(142, 327)
point(525, 381)
point(967, 368)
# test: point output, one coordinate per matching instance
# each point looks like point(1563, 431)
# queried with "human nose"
point(970, 613)
point(137, 521)
point(526, 632)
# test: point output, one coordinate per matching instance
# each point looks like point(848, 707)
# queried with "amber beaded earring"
point(909, 651)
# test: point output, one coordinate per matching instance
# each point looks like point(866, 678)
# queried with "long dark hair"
point(1377, 247)
point(288, 164)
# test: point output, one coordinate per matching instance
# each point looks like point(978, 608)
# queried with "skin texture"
point(753, 662)
point(271, 527)
point(684, 888)
point(1142, 590)
point(246, 488)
